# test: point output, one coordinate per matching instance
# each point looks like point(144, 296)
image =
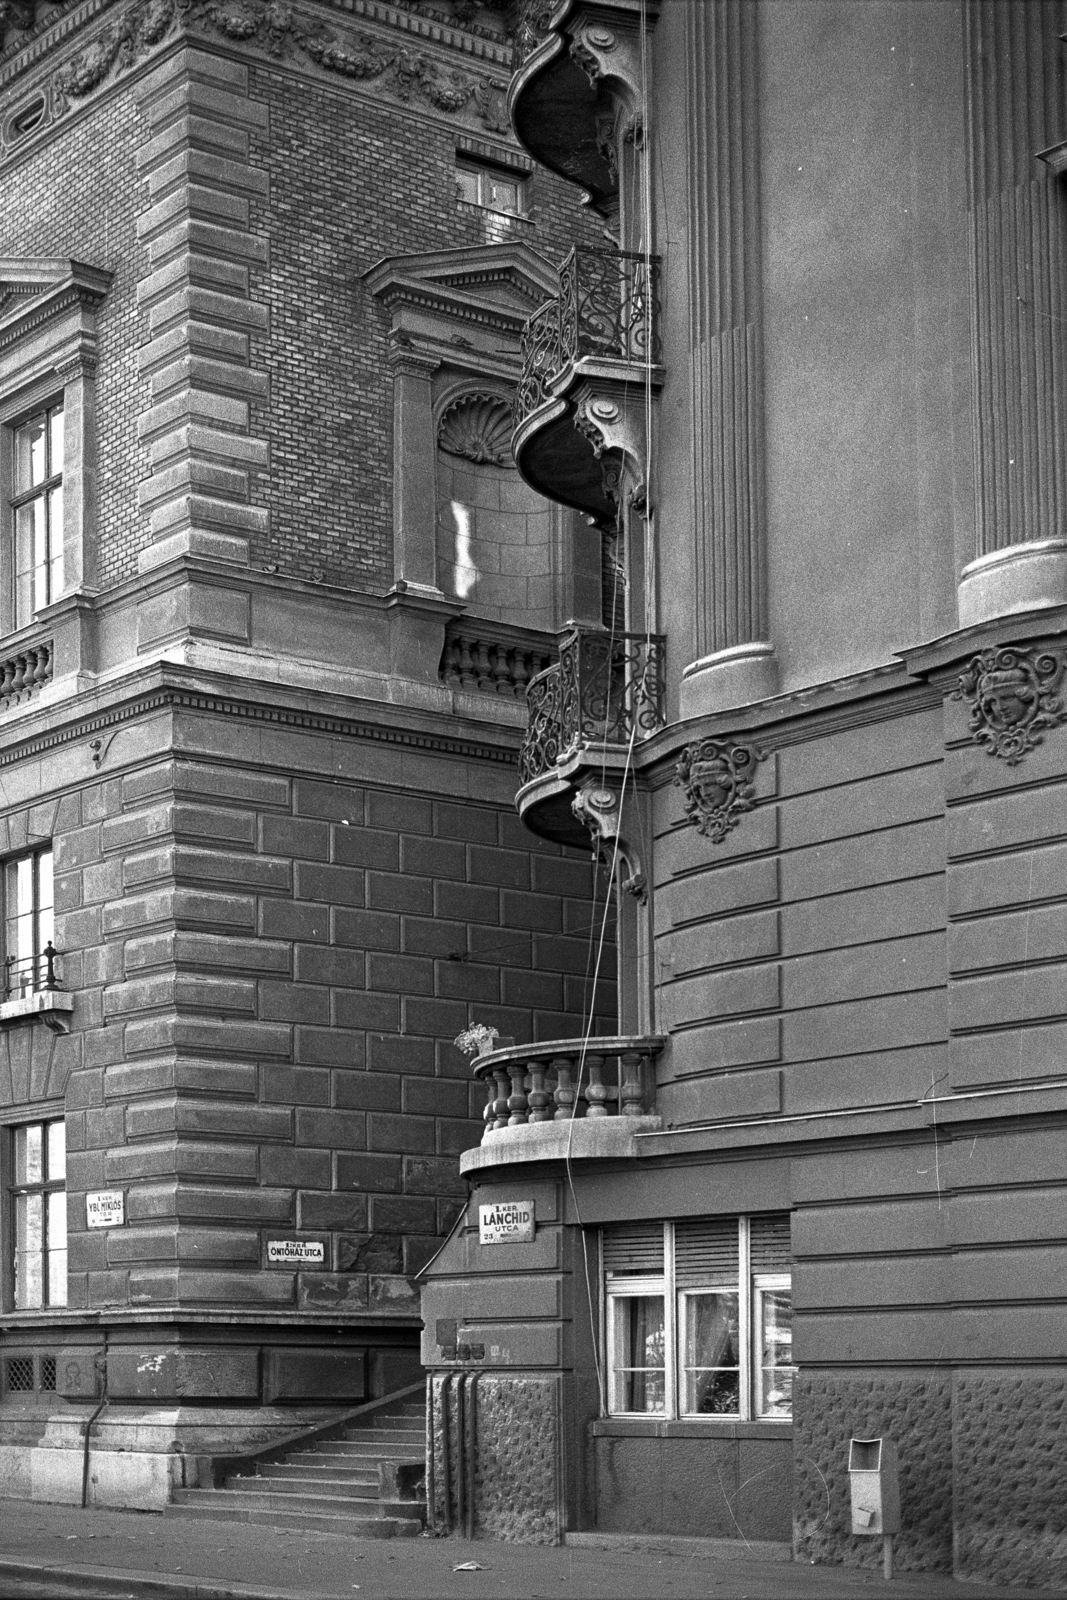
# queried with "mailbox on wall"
point(874, 1482)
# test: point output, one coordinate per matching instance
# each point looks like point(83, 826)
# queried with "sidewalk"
point(50, 1550)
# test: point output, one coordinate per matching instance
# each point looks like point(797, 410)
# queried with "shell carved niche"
point(478, 426)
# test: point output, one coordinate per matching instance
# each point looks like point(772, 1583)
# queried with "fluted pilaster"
point(1016, 106)
point(734, 663)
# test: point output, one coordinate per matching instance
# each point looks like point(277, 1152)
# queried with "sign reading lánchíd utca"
point(506, 1222)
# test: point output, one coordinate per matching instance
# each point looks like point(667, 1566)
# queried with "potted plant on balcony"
point(479, 1040)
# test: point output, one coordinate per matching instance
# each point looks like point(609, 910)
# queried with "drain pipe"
point(101, 1367)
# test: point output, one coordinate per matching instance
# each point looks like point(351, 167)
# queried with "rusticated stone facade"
point(915, 1411)
point(287, 868)
point(495, 1451)
point(1009, 1449)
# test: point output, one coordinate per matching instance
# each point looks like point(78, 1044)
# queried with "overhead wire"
point(639, 174)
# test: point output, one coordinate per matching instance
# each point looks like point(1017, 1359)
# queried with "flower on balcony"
point(477, 1040)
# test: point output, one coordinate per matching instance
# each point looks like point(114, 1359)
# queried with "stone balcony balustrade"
point(605, 1087)
point(493, 658)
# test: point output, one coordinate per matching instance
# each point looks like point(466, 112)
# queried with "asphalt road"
point(58, 1551)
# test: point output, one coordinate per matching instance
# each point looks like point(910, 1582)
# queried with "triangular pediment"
point(32, 283)
point(511, 278)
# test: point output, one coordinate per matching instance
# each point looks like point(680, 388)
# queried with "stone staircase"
point(368, 1480)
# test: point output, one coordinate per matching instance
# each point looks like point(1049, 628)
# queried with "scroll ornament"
point(1014, 697)
point(717, 781)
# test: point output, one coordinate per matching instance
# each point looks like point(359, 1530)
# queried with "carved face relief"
point(717, 781)
point(1013, 697)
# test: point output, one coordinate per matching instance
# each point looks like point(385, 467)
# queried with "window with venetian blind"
point(699, 1318)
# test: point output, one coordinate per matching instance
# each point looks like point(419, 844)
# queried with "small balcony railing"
point(491, 658)
point(568, 1078)
point(533, 29)
point(608, 306)
point(605, 689)
point(24, 674)
point(25, 975)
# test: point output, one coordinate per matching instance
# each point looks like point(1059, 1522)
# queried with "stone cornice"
point(797, 717)
point(168, 693)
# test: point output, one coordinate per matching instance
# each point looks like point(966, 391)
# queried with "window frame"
point(749, 1286)
point(17, 498)
point(485, 173)
point(11, 1189)
point(48, 356)
point(14, 989)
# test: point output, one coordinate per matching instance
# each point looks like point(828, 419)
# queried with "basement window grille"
point(18, 1375)
point(48, 1374)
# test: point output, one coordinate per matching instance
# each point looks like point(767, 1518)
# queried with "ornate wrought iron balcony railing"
point(608, 306)
point(605, 689)
point(568, 1078)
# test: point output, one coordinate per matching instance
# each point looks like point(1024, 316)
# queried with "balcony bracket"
point(601, 811)
point(614, 424)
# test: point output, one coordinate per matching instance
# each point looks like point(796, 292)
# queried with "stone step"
point(295, 1483)
point(217, 1509)
point(410, 1439)
point(295, 1503)
point(361, 1450)
point(318, 1467)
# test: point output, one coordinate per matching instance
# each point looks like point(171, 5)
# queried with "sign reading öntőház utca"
point(507, 1222)
point(295, 1252)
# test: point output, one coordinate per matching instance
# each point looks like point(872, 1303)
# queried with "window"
point(699, 1318)
point(29, 954)
point(37, 505)
point(40, 1215)
point(493, 188)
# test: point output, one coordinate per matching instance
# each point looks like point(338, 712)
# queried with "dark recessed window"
point(26, 119)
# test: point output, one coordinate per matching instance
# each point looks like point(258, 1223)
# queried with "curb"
point(119, 1581)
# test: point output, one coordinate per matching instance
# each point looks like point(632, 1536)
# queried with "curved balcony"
point(580, 76)
point(535, 1092)
point(555, 108)
point(604, 693)
point(586, 358)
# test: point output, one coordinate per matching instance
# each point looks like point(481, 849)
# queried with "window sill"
point(689, 1428)
point(53, 1006)
point(472, 208)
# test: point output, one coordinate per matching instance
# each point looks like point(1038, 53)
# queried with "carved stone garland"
point(404, 75)
point(1014, 697)
point(478, 427)
point(717, 780)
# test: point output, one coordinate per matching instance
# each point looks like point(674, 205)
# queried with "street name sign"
point(506, 1222)
point(106, 1208)
point(295, 1252)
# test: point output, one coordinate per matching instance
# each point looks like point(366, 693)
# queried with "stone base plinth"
point(735, 677)
point(1022, 577)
